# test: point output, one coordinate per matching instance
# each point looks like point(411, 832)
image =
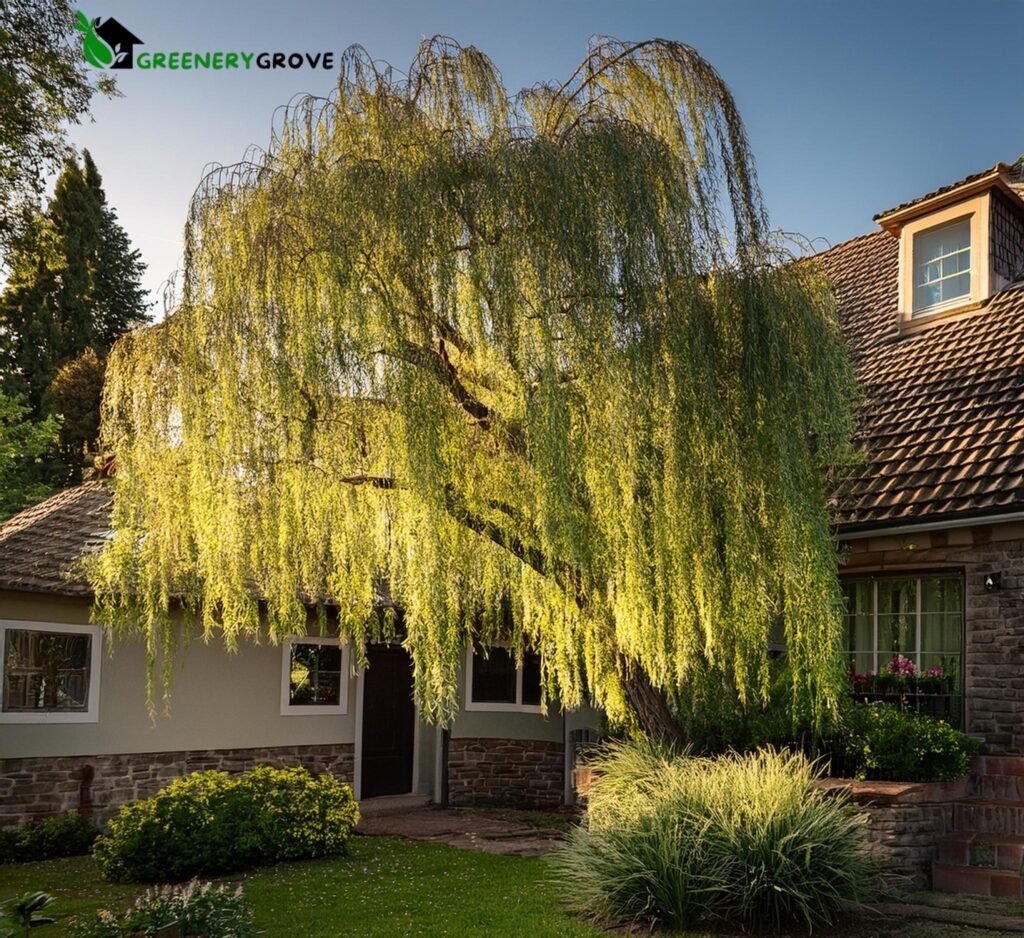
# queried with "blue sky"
point(851, 107)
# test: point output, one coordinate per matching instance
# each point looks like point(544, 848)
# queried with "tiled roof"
point(942, 190)
point(40, 547)
point(942, 424)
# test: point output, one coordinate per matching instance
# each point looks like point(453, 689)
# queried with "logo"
point(106, 44)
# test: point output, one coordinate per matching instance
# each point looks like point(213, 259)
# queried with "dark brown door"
point(389, 723)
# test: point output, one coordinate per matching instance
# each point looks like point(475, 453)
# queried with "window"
point(942, 266)
point(314, 677)
point(496, 682)
point(918, 617)
point(50, 672)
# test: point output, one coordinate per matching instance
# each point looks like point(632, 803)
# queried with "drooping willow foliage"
point(529, 365)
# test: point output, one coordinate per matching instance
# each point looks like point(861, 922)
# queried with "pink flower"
point(933, 672)
point(901, 667)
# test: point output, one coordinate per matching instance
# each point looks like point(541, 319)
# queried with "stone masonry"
point(903, 822)
point(523, 772)
point(41, 786)
point(994, 622)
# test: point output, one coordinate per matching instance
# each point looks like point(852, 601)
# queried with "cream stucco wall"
point(224, 701)
point(219, 700)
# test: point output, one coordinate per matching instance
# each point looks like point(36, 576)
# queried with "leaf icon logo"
point(96, 50)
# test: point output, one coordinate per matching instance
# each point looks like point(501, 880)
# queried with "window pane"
point(494, 677)
point(960, 285)
point(942, 263)
point(46, 671)
point(897, 612)
point(531, 679)
point(941, 594)
point(315, 678)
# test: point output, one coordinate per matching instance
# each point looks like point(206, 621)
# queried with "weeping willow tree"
point(532, 365)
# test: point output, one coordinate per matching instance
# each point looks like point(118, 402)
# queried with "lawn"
point(387, 887)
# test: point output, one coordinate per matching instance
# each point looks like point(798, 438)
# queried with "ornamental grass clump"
point(748, 840)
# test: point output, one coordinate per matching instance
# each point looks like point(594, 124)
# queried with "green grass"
point(384, 887)
point(387, 887)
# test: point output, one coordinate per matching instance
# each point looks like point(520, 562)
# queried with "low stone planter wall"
point(522, 772)
point(904, 821)
point(42, 786)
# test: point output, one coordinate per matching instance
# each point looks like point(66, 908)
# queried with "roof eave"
point(894, 221)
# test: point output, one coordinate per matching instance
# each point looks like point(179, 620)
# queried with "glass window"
point(46, 672)
point(942, 265)
point(531, 679)
point(495, 679)
point(494, 676)
point(315, 674)
point(918, 617)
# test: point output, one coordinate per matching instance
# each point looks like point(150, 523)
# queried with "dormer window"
point(958, 246)
point(942, 267)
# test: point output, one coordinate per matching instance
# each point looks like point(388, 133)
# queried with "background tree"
point(44, 85)
point(25, 446)
point(74, 287)
point(534, 361)
point(74, 399)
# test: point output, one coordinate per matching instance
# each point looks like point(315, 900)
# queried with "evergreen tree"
point(74, 287)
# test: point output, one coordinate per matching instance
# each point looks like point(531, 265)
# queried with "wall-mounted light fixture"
point(993, 582)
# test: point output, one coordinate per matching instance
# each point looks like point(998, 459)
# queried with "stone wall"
point(994, 623)
point(904, 819)
point(522, 772)
point(38, 787)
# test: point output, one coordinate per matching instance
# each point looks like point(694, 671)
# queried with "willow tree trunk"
point(650, 705)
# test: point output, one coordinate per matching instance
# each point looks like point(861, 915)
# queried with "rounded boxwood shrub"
point(63, 835)
point(884, 742)
point(678, 841)
point(211, 822)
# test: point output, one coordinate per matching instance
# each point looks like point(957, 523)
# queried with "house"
point(75, 731)
point(932, 523)
point(931, 527)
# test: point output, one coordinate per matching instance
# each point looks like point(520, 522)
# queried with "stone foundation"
point(904, 820)
point(41, 786)
point(522, 772)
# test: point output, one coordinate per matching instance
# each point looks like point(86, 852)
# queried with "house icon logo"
point(106, 44)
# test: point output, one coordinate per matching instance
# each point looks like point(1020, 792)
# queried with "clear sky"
point(851, 107)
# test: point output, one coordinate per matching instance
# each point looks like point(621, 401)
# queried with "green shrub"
point(64, 835)
point(210, 822)
point(200, 909)
point(884, 742)
point(742, 839)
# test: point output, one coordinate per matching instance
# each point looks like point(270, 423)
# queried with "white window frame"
point(91, 714)
point(494, 707)
point(955, 301)
point(288, 709)
point(977, 210)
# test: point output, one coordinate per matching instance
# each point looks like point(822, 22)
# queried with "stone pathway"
point(498, 831)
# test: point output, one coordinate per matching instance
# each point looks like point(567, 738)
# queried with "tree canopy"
point(533, 361)
point(24, 446)
point(44, 85)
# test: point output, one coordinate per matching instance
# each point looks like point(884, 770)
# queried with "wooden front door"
point(389, 723)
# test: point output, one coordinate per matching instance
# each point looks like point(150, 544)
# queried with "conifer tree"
point(74, 287)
